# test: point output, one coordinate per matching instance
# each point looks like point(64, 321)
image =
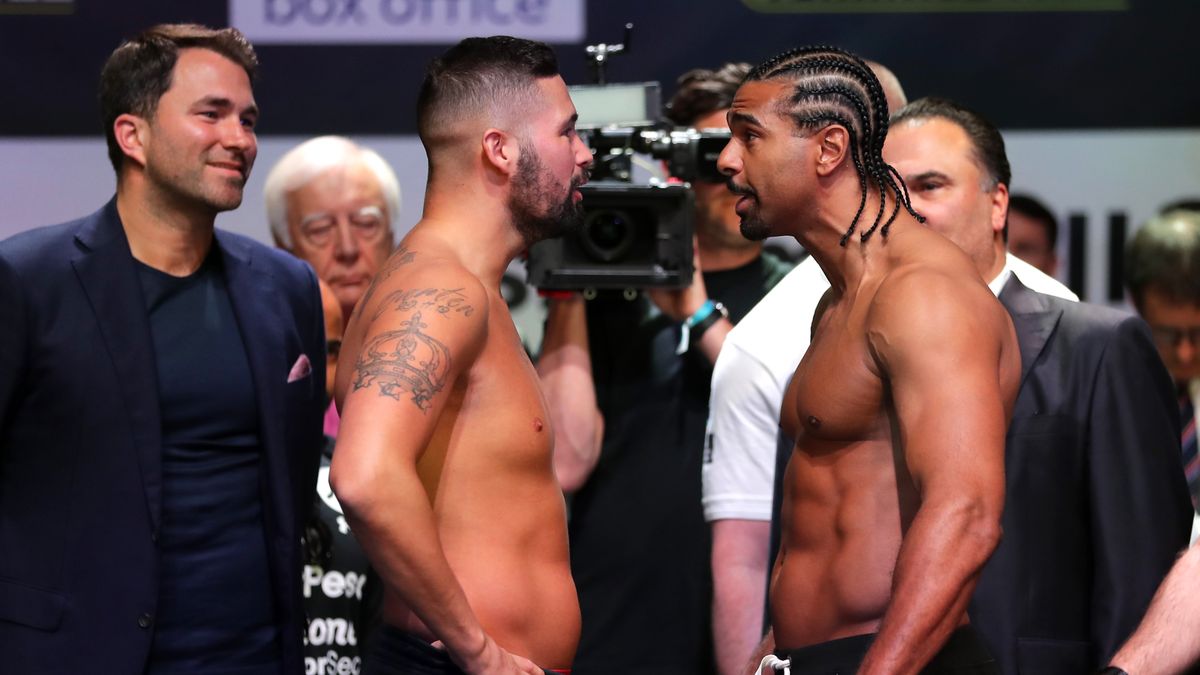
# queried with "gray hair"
point(1164, 255)
point(312, 158)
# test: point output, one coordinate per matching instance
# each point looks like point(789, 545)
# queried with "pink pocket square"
point(301, 369)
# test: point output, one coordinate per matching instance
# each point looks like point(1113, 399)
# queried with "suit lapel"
point(106, 271)
point(1033, 319)
point(256, 301)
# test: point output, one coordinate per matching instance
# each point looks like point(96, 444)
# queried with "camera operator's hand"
point(681, 303)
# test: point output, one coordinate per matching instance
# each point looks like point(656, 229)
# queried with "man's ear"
point(501, 151)
point(999, 207)
point(132, 133)
point(832, 146)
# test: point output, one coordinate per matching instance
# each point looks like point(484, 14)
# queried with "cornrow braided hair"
point(833, 86)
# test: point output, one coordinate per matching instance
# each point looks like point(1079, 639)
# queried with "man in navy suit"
point(1096, 505)
point(161, 390)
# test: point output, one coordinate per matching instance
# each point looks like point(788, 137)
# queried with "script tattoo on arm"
point(444, 301)
point(408, 360)
point(400, 257)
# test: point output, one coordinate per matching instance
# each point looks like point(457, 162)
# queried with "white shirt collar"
point(1031, 277)
point(997, 284)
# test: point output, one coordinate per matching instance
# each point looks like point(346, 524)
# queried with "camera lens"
point(608, 235)
point(708, 149)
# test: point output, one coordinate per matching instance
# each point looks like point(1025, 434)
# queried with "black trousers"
point(963, 654)
point(396, 652)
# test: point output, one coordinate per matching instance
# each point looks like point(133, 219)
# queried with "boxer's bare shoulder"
point(933, 310)
point(422, 318)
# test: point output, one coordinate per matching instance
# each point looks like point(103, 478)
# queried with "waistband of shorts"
point(963, 648)
point(845, 652)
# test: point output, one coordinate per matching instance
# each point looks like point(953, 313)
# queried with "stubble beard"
point(192, 188)
point(753, 227)
point(534, 186)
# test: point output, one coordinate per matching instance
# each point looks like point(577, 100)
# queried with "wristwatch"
point(702, 320)
point(695, 325)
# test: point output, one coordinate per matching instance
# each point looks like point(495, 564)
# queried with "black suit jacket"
point(80, 440)
point(1097, 507)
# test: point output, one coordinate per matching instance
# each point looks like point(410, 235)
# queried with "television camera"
point(636, 233)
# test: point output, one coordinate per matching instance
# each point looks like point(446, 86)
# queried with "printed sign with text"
point(405, 21)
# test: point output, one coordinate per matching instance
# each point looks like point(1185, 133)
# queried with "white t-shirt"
point(751, 374)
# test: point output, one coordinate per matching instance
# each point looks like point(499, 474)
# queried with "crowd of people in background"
point(915, 450)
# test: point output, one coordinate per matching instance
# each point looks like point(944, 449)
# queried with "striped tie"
point(1191, 461)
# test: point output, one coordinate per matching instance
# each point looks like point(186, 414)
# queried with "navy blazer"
point(81, 440)
point(1097, 507)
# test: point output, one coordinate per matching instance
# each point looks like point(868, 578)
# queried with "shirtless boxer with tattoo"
point(443, 464)
point(894, 492)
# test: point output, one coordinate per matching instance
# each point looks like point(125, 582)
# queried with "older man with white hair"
point(331, 203)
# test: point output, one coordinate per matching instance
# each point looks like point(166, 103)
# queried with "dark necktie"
point(1191, 462)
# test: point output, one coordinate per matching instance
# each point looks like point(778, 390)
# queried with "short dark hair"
point(833, 86)
point(702, 91)
point(985, 138)
point(1164, 254)
point(138, 72)
point(478, 73)
point(1030, 207)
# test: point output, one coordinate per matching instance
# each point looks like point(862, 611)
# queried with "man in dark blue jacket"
point(161, 389)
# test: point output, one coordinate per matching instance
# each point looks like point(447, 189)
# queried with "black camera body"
point(690, 154)
point(633, 236)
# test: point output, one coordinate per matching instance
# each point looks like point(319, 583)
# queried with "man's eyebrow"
point(926, 175)
point(313, 217)
point(215, 101)
point(743, 117)
point(570, 124)
point(225, 104)
point(368, 210)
